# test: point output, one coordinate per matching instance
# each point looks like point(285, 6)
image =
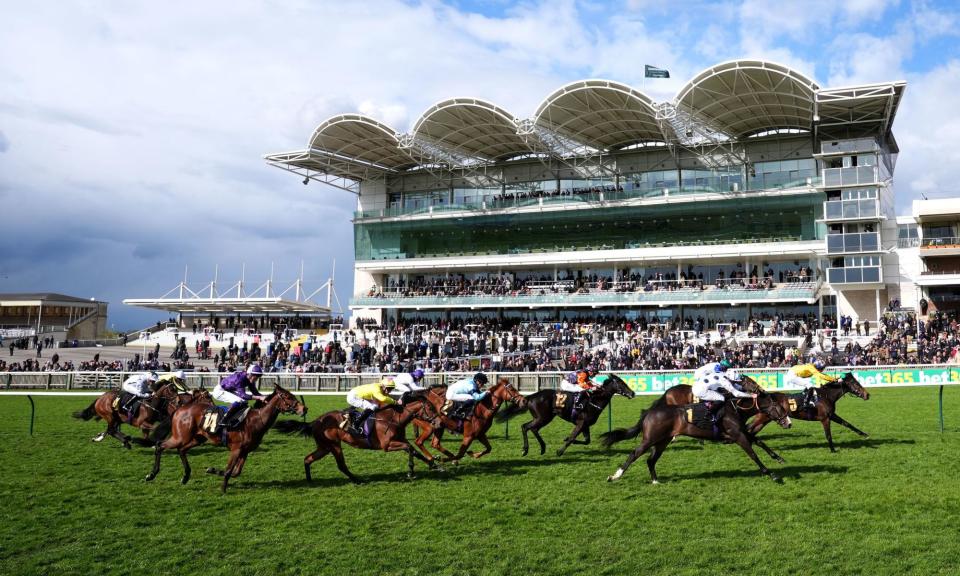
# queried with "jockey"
point(407, 382)
point(467, 392)
point(808, 377)
point(708, 388)
point(711, 368)
point(367, 398)
point(139, 385)
point(233, 390)
point(178, 379)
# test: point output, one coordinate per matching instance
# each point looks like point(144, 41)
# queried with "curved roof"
point(743, 97)
point(601, 114)
point(360, 138)
point(471, 127)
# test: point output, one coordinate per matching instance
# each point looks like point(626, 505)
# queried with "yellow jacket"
point(372, 392)
point(810, 371)
point(170, 377)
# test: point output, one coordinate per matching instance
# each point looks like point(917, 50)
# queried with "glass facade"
point(862, 242)
point(782, 174)
point(855, 270)
point(722, 221)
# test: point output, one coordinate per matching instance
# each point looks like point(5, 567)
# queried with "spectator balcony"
point(650, 294)
point(947, 246)
point(867, 209)
point(850, 176)
point(855, 275)
point(942, 276)
point(848, 147)
point(856, 243)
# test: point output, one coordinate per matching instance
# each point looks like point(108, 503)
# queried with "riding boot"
point(579, 401)
point(228, 419)
point(808, 397)
point(360, 419)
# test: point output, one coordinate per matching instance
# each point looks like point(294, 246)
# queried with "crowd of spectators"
point(607, 343)
point(511, 285)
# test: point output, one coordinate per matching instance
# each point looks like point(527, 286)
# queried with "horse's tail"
point(293, 426)
point(509, 411)
point(87, 413)
point(608, 439)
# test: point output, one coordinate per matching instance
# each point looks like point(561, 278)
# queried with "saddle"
point(127, 402)
point(213, 416)
point(798, 403)
point(702, 417)
point(457, 410)
point(349, 423)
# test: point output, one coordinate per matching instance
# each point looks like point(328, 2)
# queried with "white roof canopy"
point(734, 100)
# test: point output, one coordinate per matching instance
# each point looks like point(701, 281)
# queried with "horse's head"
point(420, 405)
point(286, 401)
point(773, 409)
point(850, 384)
point(504, 391)
point(750, 385)
point(616, 385)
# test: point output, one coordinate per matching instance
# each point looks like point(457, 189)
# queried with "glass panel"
point(831, 177)
point(868, 208)
point(835, 243)
point(865, 174)
point(854, 274)
point(871, 274)
point(834, 210)
point(851, 243)
point(850, 209)
point(835, 275)
point(869, 242)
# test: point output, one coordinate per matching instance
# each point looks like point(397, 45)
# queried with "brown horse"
point(825, 410)
point(542, 407)
point(387, 433)
point(188, 432)
point(164, 402)
point(473, 428)
point(661, 424)
point(682, 395)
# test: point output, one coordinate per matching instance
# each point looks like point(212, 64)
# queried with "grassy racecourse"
point(886, 505)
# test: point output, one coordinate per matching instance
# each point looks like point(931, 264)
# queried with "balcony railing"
point(786, 292)
point(853, 243)
point(854, 175)
point(854, 275)
point(908, 242)
point(777, 181)
point(851, 209)
point(946, 242)
point(849, 146)
point(941, 272)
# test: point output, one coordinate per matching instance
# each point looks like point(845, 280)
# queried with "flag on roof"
point(654, 72)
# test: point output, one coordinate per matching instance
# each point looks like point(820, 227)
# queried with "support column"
point(878, 304)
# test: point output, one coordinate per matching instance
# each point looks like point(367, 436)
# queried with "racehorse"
point(473, 428)
point(682, 395)
point(165, 400)
point(188, 432)
point(387, 433)
point(825, 409)
point(542, 406)
point(661, 424)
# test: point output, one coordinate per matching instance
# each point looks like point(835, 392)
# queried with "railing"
point(940, 272)
point(944, 242)
point(397, 255)
point(642, 382)
point(851, 209)
point(852, 175)
point(854, 275)
point(853, 243)
point(908, 242)
point(774, 181)
point(849, 146)
point(691, 295)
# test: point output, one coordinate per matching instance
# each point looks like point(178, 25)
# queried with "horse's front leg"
point(846, 424)
point(743, 440)
point(570, 439)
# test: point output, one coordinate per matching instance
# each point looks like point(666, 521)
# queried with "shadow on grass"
point(792, 472)
point(855, 443)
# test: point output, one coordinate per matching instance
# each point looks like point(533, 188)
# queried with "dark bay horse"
point(165, 401)
point(188, 432)
point(825, 410)
point(661, 424)
point(682, 394)
point(542, 407)
point(473, 428)
point(388, 433)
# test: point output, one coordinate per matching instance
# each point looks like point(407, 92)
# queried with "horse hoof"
point(776, 478)
point(523, 452)
point(149, 477)
point(185, 479)
point(610, 478)
point(655, 482)
point(781, 461)
point(127, 446)
point(211, 470)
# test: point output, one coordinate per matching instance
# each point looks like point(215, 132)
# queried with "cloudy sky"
point(132, 133)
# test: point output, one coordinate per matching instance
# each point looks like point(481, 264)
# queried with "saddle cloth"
point(699, 415)
point(214, 414)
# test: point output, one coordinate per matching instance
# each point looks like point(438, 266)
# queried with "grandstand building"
point(929, 255)
point(58, 315)
point(753, 192)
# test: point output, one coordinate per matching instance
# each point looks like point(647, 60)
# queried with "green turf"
point(887, 505)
